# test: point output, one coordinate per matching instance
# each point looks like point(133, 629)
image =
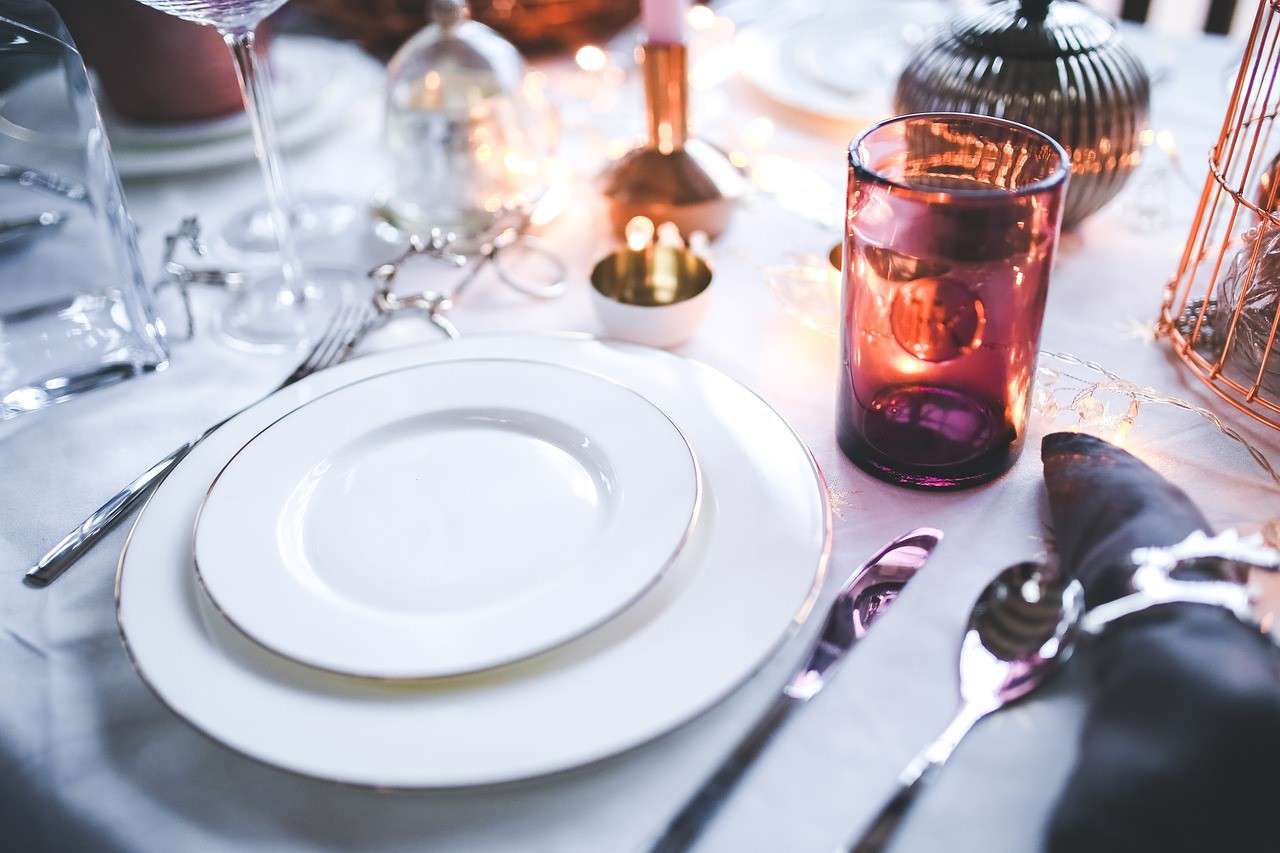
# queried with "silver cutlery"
point(1023, 626)
point(16, 231)
point(865, 596)
point(334, 345)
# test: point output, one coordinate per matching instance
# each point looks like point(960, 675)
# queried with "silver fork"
point(349, 322)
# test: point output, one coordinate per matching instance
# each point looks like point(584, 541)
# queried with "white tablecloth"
point(89, 760)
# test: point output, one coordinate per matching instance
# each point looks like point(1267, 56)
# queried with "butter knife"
point(866, 594)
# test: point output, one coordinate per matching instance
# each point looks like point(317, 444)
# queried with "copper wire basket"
point(532, 25)
point(1221, 310)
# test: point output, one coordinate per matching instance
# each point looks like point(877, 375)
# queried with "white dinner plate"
point(446, 518)
point(749, 573)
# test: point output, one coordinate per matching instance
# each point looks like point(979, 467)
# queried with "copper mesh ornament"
point(1221, 310)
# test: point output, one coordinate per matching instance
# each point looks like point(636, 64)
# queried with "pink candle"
point(664, 20)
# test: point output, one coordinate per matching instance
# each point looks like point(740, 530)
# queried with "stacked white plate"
point(837, 62)
point(474, 562)
point(315, 82)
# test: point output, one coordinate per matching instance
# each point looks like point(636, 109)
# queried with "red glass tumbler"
point(950, 234)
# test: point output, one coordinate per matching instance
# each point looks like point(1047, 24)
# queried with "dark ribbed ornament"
point(1056, 65)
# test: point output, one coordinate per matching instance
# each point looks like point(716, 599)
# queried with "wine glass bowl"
point(223, 14)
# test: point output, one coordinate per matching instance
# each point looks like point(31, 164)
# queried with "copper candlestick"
point(672, 178)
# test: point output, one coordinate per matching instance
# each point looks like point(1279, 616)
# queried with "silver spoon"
point(1022, 627)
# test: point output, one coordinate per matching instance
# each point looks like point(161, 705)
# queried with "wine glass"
point(314, 220)
point(286, 308)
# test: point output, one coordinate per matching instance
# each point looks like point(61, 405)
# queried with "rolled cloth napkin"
point(1181, 745)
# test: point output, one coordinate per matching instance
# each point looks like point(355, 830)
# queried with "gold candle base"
point(672, 179)
point(658, 295)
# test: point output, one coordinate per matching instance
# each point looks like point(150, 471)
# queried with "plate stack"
point(316, 82)
point(475, 562)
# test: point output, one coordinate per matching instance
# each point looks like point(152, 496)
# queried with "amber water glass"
point(950, 234)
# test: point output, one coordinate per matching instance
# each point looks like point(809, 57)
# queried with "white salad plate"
point(446, 518)
point(748, 575)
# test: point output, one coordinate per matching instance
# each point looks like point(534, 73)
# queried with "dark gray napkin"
point(1181, 746)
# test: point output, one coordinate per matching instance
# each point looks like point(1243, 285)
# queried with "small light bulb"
point(639, 233)
point(1089, 409)
point(700, 244)
point(669, 236)
point(591, 58)
point(700, 18)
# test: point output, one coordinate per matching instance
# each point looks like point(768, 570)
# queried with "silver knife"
point(866, 594)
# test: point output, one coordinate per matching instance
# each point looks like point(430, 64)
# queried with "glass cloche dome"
point(470, 141)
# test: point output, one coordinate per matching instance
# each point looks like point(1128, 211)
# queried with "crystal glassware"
point(286, 309)
point(469, 132)
point(951, 229)
point(314, 219)
point(75, 310)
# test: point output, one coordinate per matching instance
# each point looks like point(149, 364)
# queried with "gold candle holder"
point(672, 178)
point(652, 277)
point(651, 293)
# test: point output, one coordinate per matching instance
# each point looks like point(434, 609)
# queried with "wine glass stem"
point(255, 84)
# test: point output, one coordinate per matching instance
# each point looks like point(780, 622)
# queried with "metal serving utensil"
point(866, 594)
point(1023, 626)
point(509, 235)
